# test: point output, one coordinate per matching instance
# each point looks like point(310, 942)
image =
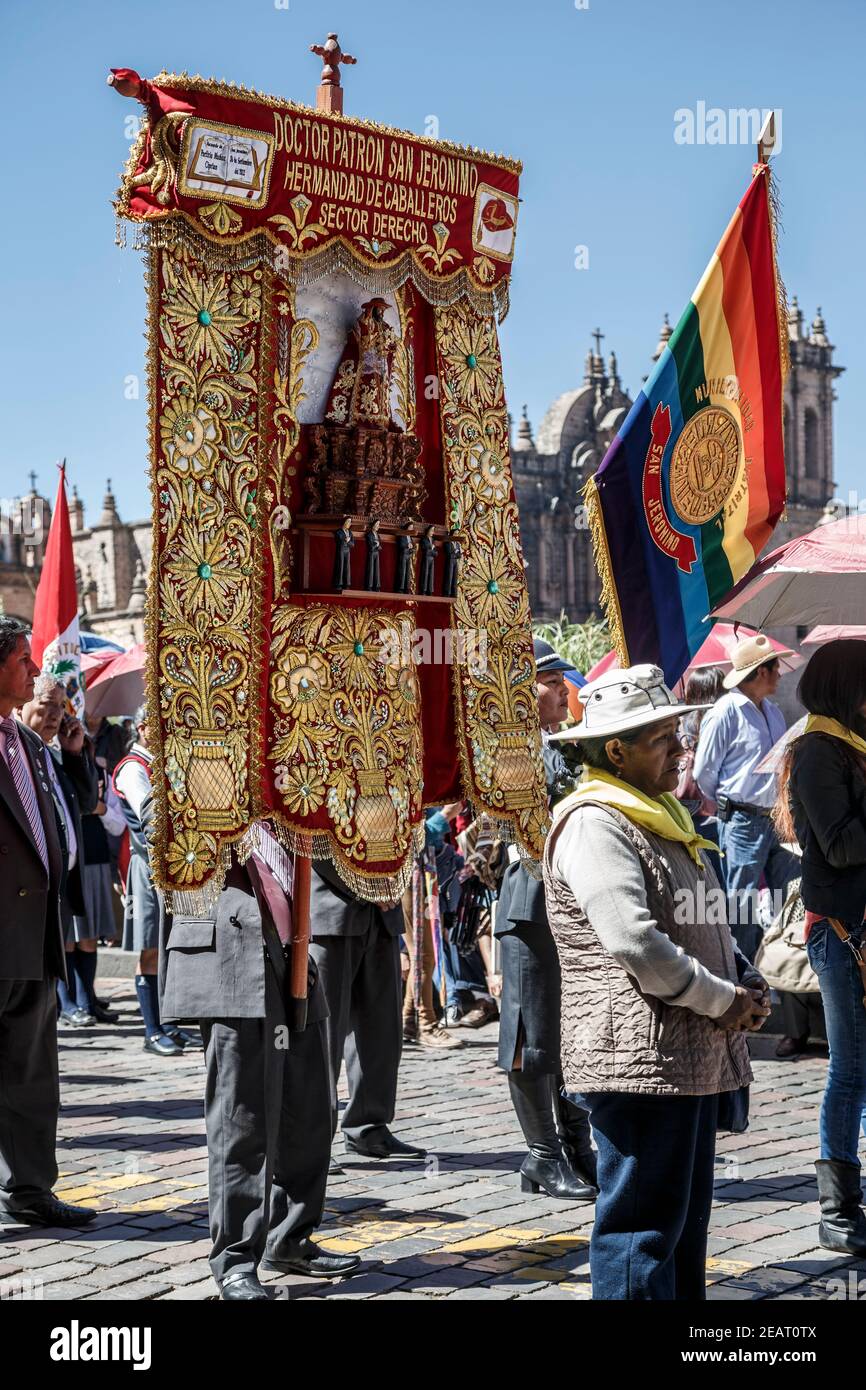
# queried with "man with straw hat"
point(736, 735)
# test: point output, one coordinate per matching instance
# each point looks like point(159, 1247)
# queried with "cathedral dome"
point(567, 411)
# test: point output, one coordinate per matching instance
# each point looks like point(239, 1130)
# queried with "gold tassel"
point(609, 596)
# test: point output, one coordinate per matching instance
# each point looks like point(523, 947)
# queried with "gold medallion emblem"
point(704, 465)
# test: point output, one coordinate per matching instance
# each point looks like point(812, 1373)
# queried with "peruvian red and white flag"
point(55, 643)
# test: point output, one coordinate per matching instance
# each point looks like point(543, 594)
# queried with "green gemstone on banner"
point(493, 587)
point(472, 360)
point(203, 317)
point(204, 570)
point(359, 648)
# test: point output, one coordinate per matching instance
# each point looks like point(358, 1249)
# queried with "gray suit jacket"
point(336, 911)
point(31, 936)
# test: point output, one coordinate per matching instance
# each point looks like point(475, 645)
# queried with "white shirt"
point(133, 781)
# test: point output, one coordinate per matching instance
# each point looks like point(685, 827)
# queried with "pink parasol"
point(118, 686)
point(716, 650)
point(816, 578)
point(829, 632)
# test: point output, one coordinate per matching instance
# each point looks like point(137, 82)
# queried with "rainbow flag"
point(690, 489)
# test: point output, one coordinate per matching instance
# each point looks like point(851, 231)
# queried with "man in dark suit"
point(32, 856)
point(561, 1160)
point(75, 785)
point(267, 1110)
point(356, 948)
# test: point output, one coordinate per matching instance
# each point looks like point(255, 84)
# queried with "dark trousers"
point(655, 1175)
point(360, 976)
point(268, 1126)
point(29, 1090)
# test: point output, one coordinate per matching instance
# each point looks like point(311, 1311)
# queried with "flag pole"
point(767, 138)
point(329, 97)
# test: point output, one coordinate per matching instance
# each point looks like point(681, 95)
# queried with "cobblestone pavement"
point(455, 1225)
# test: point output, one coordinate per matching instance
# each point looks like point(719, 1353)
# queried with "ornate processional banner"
point(338, 622)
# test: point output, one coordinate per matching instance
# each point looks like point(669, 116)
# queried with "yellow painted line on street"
point(122, 1180)
point(497, 1238)
point(731, 1266)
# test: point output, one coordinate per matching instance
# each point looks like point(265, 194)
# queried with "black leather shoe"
point(792, 1047)
point(103, 1015)
point(163, 1046)
point(188, 1042)
point(244, 1287)
point(48, 1211)
point(75, 1018)
point(381, 1143)
point(310, 1259)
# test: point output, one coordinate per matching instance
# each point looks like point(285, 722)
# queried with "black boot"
point(576, 1137)
point(843, 1224)
point(546, 1166)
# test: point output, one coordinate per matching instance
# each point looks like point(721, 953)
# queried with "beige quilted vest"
point(614, 1037)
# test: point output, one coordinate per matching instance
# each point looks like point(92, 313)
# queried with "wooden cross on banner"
point(329, 93)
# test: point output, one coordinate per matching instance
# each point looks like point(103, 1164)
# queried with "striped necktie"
point(15, 756)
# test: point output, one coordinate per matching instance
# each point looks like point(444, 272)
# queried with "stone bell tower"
point(809, 397)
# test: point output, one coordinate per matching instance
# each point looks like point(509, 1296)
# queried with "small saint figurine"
point(406, 547)
point(428, 561)
point(372, 581)
point(343, 542)
point(453, 551)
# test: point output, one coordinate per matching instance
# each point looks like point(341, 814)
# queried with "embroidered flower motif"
point(206, 570)
point(190, 436)
point(473, 364)
point(356, 649)
point(301, 787)
point(190, 856)
point(245, 297)
point(301, 690)
point(202, 310)
point(490, 477)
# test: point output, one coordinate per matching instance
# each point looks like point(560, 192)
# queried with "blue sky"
point(585, 97)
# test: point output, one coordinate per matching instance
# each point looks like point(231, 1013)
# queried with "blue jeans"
point(655, 1177)
point(463, 974)
point(752, 849)
point(842, 1109)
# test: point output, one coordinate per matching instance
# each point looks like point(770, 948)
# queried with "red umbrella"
point(118, 687)
point(816, 578)
point(716, 650)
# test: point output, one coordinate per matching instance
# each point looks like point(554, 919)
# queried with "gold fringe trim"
point(609, 596)
point(775, 204)
point(263, 248)
point(236, 92)
point(376, 888)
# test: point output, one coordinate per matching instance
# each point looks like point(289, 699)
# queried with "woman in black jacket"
point(826, 799)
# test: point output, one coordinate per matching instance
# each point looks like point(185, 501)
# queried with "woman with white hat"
point(655, 996)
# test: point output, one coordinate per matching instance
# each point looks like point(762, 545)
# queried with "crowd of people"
point(624, 995)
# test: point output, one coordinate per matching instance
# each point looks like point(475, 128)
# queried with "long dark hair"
point(833, 684)
point(704, 686)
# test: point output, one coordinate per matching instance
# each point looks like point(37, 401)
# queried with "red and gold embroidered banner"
point(323, 190)
point(338, 622)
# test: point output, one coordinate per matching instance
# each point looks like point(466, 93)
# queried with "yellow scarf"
point(820, 724)
point(662, 815)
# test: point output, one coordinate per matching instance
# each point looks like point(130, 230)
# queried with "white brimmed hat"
point(622, 700)
point(751, 653)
